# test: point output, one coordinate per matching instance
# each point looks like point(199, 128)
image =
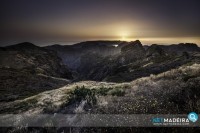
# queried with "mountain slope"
point(26, 69)
point(28, 56)
point(174, 91)
point(131, 60)
point(71, 55)
point(22, 65)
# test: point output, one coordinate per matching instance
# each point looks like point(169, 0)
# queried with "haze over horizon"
point(69, 22)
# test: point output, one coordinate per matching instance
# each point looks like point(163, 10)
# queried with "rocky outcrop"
point(154, 50)
point(133, 51)
point(132, 47)
point(180, 48)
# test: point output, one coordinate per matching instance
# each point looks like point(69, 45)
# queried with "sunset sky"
point(69, 21)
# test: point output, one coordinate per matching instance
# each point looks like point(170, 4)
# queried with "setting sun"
point(124, 36)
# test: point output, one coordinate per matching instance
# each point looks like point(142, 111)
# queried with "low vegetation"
point(175, 91)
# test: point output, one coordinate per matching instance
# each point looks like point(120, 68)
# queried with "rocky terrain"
point(26, 69)
point(100, 77)
point(72, 54)
point(171, 92)
point(155, 94)
point(131, 60)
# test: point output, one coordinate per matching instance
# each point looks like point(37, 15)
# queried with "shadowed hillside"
point(174, 91)
point(26, 70)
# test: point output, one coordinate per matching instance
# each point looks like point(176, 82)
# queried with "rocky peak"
point(26, 48)
point(24, 45)
point(188, 47)
point(180, 48)
point(155, 50)
point(135, 46)
point(191, 45)
point(132, 51)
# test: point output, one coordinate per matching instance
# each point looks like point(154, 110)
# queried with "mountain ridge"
point(109, 62)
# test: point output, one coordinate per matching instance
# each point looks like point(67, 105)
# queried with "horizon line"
point(78, 42)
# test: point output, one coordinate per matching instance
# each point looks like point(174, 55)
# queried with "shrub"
point(82, 93)
point(117, 92)
point(103, 91)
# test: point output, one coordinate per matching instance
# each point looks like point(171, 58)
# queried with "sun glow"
point(124, 36)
